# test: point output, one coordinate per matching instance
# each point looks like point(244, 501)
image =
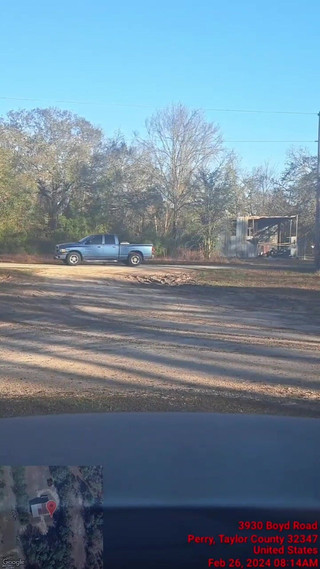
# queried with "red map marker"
point(51, 507)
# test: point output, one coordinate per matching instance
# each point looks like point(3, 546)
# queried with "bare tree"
point(297, 187)
point(259, 186)
point(180, 144)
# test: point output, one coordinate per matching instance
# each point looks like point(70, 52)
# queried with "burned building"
point(252, 236)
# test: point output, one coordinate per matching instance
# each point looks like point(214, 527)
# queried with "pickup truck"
point(103, 248)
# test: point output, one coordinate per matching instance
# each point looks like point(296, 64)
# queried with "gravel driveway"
point(108, 338)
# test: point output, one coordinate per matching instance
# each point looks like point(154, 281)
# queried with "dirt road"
point(94, 338)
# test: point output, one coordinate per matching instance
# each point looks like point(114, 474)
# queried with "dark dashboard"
point(174, 480)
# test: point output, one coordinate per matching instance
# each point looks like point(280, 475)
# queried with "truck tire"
point(73, 259)
point(134, 259)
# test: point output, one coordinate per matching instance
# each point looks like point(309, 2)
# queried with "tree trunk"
point(174, 230)
point(52, 219)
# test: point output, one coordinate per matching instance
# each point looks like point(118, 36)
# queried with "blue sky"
point(127, 59)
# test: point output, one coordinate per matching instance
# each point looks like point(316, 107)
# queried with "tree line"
point(62, 178)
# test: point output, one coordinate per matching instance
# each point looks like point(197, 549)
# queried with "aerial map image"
point(51, 517)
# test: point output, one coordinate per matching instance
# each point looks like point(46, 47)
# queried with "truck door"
point(93, 248)
point(110, 248)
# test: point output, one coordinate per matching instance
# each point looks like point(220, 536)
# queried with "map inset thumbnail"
point(51, 517)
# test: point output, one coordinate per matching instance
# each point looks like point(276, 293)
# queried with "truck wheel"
point(134, 259)
point(74, 259)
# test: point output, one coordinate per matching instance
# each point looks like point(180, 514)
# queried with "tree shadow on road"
point(95, 347)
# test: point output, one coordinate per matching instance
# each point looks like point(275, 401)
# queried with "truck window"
point(109, 239)
point(95, 240)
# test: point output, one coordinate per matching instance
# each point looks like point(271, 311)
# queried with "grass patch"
point(258, 279)
point(26, 258)
point(8, 276)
